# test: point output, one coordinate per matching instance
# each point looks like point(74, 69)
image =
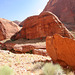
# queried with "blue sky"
point(20, 9)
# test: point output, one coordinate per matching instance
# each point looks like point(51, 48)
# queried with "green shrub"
point(6, 70)
point(51, 69)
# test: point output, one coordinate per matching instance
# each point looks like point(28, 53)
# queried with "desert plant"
point(37, 65)
point(6, 70)
point(68, 71)
point(4, 48)
point(51, 69)
point(30, 52)
point(12, 39)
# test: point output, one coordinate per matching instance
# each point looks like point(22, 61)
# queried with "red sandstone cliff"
point(64, 9)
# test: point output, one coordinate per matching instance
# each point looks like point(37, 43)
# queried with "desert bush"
point(6, 70)
point(69, 71)
point(38, 65)
point(51, 69)
point(30, 52)
point(12, 39)
point(4, 48)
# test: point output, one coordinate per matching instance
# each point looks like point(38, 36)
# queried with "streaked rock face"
point(64, 9)
point(7, 28)
point(61, 50)
point(45, 24)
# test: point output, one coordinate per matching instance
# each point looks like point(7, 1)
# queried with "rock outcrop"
point(64, 9)
point(7, 28)
point(61, 50)
point(41, 26)
point(24, 48)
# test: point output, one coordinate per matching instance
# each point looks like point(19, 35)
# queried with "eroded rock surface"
point(64, 9)
point(7, 28)
point(45, 24)
point(61, 50)
point(26, 46)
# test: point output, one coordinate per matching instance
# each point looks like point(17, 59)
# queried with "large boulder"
point(7, 28)
point(61, 50)
point(64, 9)
point(41, 26)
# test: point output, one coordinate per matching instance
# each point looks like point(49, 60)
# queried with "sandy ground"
point(22, 63)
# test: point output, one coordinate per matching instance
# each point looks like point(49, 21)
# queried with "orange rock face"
point(41, 26)
point(61, 50)
point(7, 28)
point(64, 9)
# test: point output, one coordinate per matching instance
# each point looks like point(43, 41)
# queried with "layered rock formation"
point(7, 28)
point(61, 50)
point(39, 49)
point(64, 9)
point(41, 26)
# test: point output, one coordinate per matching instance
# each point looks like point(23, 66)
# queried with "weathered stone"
point(64, 9)
point(7, 46)
point(40, 52)
point(7, 28)
point(61, 50)
point(23, 48)
point(45, 24)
